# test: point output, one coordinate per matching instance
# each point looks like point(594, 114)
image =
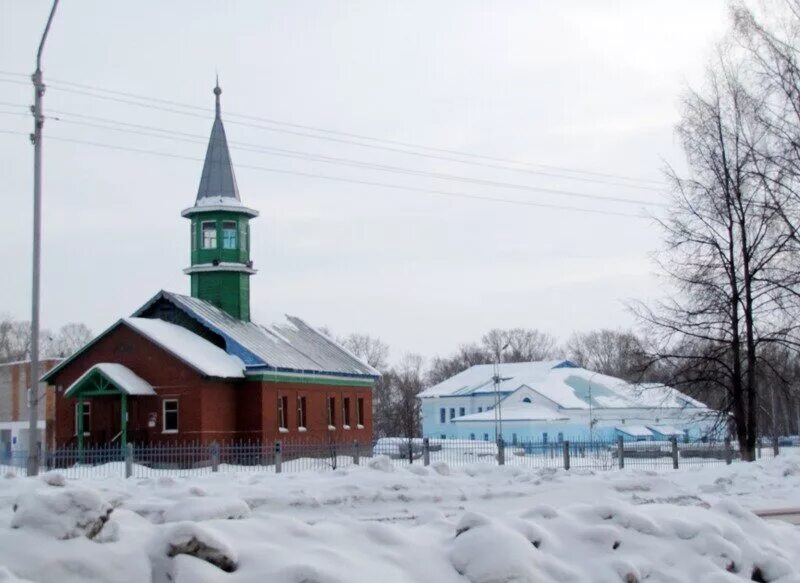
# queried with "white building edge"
point(556, 400)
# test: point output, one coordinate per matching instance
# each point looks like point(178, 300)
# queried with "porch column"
point(124, 420)
point(79, 428)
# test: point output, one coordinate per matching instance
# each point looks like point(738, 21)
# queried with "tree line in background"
point(15, 340)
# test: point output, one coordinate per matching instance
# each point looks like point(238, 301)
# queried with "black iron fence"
point(187, 459)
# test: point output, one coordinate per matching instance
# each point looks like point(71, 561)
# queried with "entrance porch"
point(107, 381)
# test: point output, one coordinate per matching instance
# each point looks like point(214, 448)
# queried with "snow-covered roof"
point(194, 350)
point(479, 378)
point(121, 376)
point(635, 430)
point(291, 346)
point(565, 385)
point(667, 430)
point(516, 412)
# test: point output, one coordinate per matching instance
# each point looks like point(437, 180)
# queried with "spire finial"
point(217, 92)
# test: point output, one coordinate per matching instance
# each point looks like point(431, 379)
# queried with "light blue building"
point(556, 400)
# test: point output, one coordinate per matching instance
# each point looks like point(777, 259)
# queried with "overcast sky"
point(589, 86)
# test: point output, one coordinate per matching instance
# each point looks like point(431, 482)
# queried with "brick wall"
point(316, 397)
point(14, 383)
point(201, 400)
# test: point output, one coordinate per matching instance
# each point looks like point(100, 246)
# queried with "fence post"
point(776, 450)
point(426, 451)
point(278, 457)
point(128, 460)
point(215, 457)
point(356, 453)
point(621, 451)
point(566, 455)
point(501, 451)
point(728, 451)
point(674, 452)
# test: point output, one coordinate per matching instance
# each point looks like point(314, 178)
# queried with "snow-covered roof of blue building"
point(480, 378)
point(564, 384)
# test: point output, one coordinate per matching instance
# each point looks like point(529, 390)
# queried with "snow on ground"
point(381, 522)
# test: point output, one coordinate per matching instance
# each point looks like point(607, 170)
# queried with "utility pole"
point(498, 412)
point(36, 139)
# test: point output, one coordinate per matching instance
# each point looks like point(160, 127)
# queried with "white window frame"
point(203, 235)
point(164, 416)
point(283, 414)
point(346, 419)
point(302, 407)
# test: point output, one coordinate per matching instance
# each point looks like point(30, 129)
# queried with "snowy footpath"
point(386, 524)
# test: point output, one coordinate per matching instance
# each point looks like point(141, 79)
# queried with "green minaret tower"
point(220, 234)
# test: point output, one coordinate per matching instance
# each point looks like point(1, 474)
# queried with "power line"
point(195, 138)
point(460, 195)
point(361, 136)
point(629, 181)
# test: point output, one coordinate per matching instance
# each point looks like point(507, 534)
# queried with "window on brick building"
point(87, 417)
point(331, 412)
point(283, 412)
point(301, 411)
point(360, 412)
point(170, 415)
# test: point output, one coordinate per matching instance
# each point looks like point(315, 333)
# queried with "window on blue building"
point(452, 413)
point(480, 409)
point(544, 437)
point(461, 412)
point(514, 439)
point(472, 437)
point(444, 436)
point(485, 437)
point(442, 417)
point(560, 437)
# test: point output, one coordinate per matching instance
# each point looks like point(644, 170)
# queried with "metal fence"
point(190, 459)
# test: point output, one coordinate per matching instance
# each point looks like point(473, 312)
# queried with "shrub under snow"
point(62, 513)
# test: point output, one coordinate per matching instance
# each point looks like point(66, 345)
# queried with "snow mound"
point(54, 479)
point(63, 513)
point(207, 508)
point(487, 552)
point(441, 468)
point(381, 463)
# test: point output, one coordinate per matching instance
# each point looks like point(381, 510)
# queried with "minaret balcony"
point(220, 266)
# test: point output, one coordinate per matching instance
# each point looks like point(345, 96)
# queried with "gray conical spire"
point(218, 179)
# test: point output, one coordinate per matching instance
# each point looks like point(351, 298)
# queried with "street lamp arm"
point(44, 37)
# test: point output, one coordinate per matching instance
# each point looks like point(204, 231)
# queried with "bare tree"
point(616, 353)
point(68, 340)
point(467, 355)
point(520, 345)
point(729, 253)
point(397, 408)
point(370, 349)
point(15, 339)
